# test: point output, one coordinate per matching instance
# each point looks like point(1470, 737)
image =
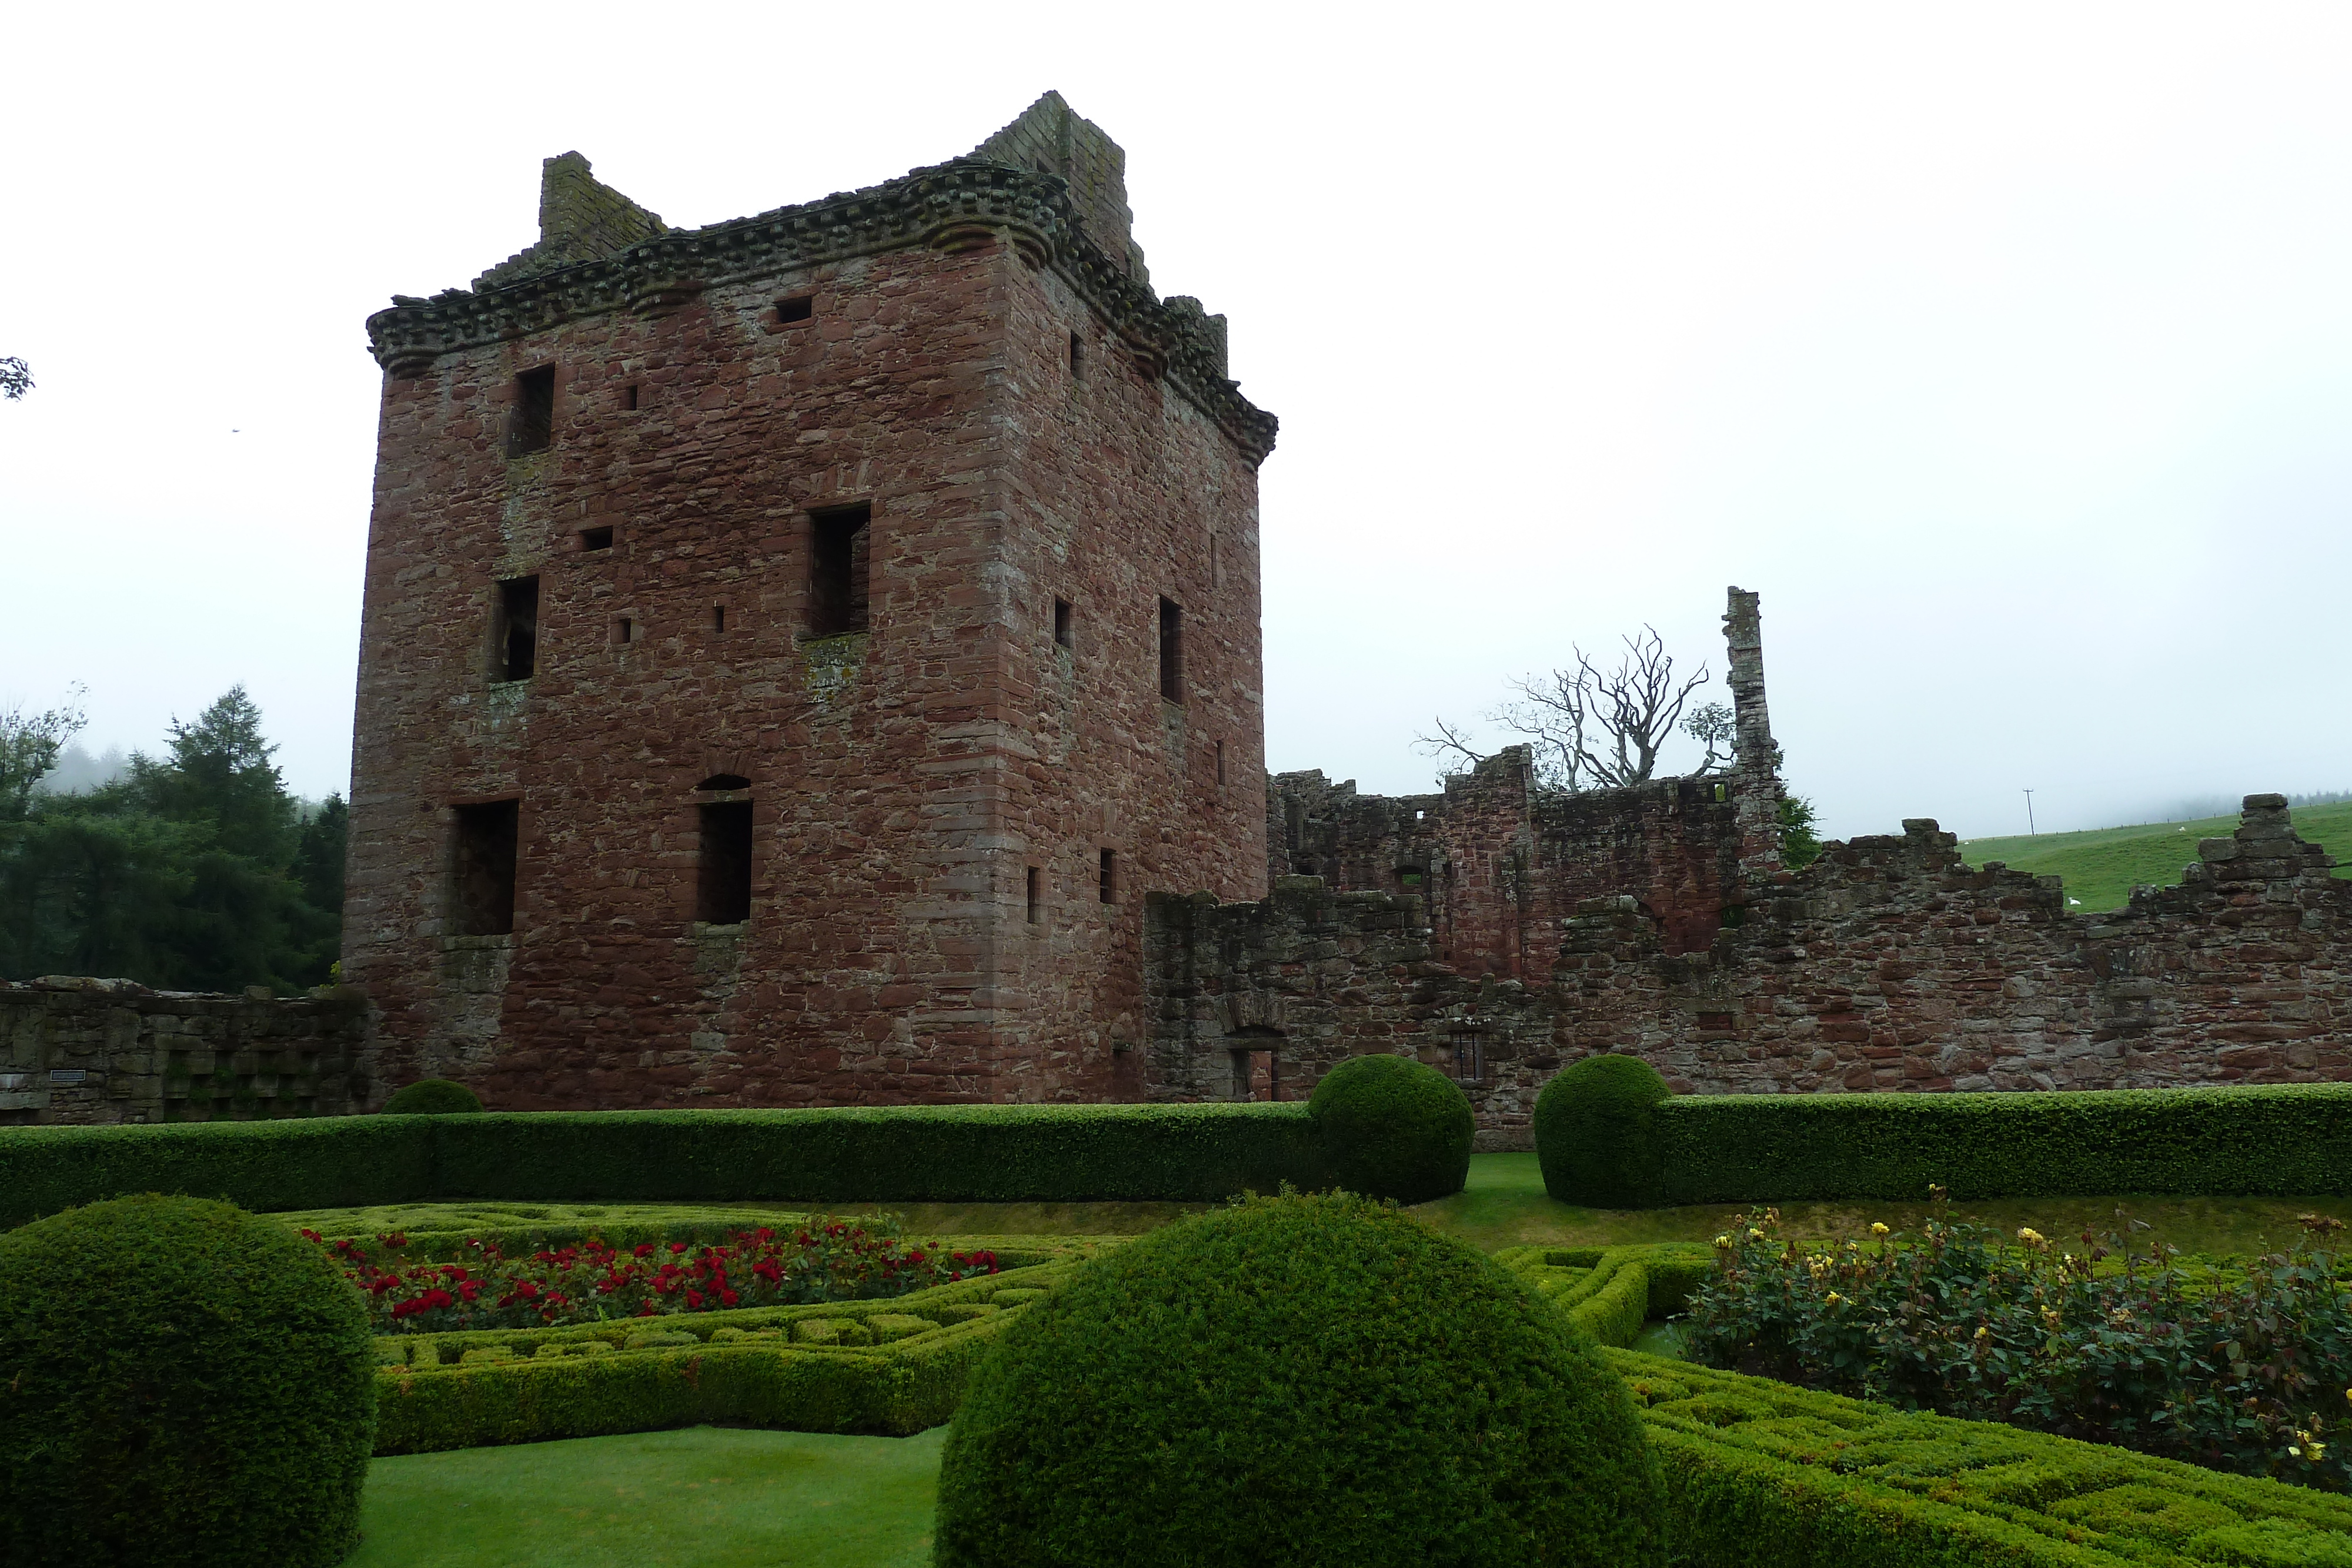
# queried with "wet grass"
point(1505, 1205)
point(2102, 866)
point(705, 1497)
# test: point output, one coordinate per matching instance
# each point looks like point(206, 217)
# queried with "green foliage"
point(963, 1153)
point(191, 873)
point(2290, 1140)
point(1394, 1127)
point(433, 1097)
point(1764, 1474)
point(2244, 1373)
point(1596, 1136)
point(753, 1367)
point(2102, 866)
point(1609, 1294)
point(1800, 846)
point(184, 1383)
point(1295, 1380)
point(15, 378)
point(29, 744)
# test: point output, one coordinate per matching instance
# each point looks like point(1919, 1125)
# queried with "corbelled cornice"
point(947, 207)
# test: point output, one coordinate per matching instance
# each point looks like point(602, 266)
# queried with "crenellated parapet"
point(950, 206)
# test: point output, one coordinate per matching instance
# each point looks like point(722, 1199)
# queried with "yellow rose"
point(1877, 1227)
point(2031, 1236)
point(1726, 1241)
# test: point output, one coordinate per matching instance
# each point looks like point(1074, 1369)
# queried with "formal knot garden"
point(2067, 1329)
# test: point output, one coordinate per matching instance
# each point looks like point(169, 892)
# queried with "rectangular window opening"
point(1077, 357)
point(1171, 651)
point(629, 397)
point(1110, 876)
point(1061, 623)
point(595, 539)
point(1220, 765)
point(799, 307)
point(1212, 560)
point(1469, 1057)
point(516, 653)
point(482, 896)
point(841, 546)
point(719, 618)
point(722, 882)
point(532, 426)
point(625, 631)
point(1036, 904)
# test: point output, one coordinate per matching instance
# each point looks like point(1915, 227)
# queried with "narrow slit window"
point(516, 653)
point(532, 426)
point(1036, 903)
point(798, 307)
point(629, 397)
point(1220, 765)
point(1171, 651)
point(722, 882)
point(719, 618)
point(1061, 623)
point(595, 539)
point(482, 891)
point(841, 547)
point(1213, 578)
point(1077, 357)
point(1110, 876)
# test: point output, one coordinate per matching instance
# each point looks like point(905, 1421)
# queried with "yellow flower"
point(1726, 1241)
point(1756, 1236)
point(2317, 1452)
point(1834, 1298)
point(1877, 1227)
point(1983, 1330)
point(2031, 1236)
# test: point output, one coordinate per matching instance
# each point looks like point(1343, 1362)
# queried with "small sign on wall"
point(66, 1075)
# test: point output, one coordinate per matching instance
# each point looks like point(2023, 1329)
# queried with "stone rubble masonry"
point(79, 1050)
point(1657, 921)
point(903, 780)
point(581, 219)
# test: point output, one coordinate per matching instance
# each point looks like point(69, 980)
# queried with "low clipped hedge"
point(1600, 1144)
point(1313, 1379)
point(183, 1384)
point(1762, 1473)
point(1394, 1127)
point(951, 1154)
point(1766, 1475)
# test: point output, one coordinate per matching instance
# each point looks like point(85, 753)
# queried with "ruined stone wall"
point(84, 1051)
point(902, 781)
point(1889, 964)
point(581, 219)
point(1311, 978)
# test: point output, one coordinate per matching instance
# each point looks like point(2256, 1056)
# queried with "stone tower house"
point(793, 647)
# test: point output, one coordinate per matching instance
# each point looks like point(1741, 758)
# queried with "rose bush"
point(826, 1261)
point(2248, 1370)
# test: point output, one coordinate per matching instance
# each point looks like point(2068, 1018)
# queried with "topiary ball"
point(433, 1097)
point(1394, 1127)
point(1596, 1132)
point(1302, 1380)
point(181, 1384)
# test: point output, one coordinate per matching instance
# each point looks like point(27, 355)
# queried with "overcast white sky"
point(2007, 351)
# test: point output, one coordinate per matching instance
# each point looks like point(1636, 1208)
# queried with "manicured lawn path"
point(705, 1497)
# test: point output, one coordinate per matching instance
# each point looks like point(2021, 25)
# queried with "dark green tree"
point(1800, 845)
point(29, 744)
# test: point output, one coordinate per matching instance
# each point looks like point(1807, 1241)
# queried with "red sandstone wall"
point(900, 780)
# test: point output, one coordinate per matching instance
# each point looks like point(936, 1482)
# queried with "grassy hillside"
point(2101, 865)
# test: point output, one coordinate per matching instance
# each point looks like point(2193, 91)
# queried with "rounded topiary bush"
point(1295, 1380)
point(181, 1384)
point(1596, 1132)
point(433, 1097)
point(1394, 1127)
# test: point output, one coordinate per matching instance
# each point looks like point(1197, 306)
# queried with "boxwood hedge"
point(971, 1153)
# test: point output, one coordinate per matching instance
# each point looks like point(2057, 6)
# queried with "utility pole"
point(2029, 815)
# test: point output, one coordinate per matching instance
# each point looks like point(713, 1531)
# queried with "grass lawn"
point(2102, 865)
point(1503, 1204)
point(707, 1496)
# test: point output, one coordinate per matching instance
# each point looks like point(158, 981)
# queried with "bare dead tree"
point(1591, 728)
